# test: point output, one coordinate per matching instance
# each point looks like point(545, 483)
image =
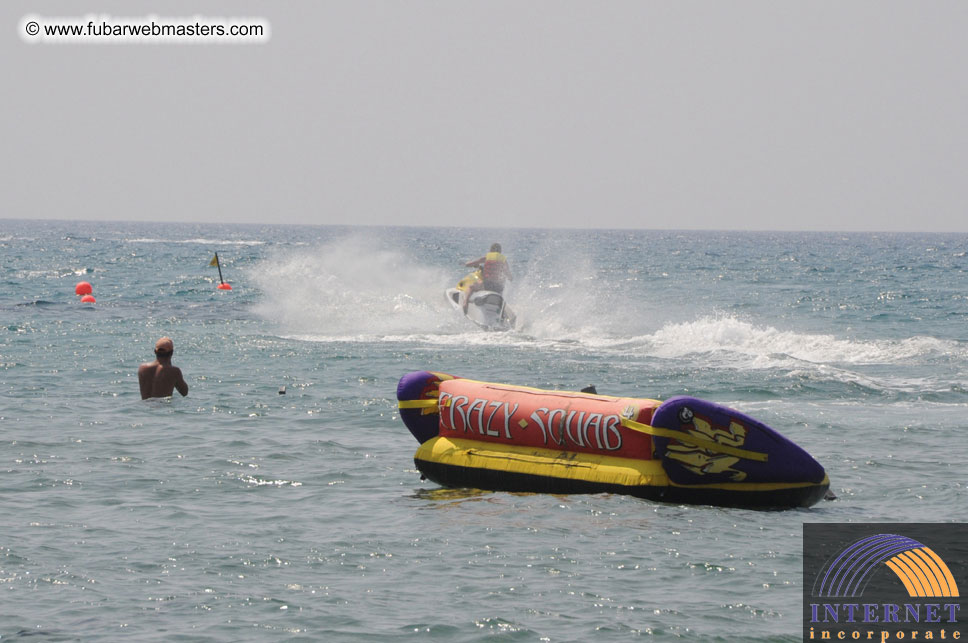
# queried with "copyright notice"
point(107, 29)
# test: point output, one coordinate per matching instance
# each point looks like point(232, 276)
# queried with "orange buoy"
point(88, 299)
point(83, 288)
point(224, 286)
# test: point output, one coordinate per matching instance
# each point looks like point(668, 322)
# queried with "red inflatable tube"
point(574, 422)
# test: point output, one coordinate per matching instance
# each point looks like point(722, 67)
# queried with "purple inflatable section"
point(689, 464)
point(413, 386)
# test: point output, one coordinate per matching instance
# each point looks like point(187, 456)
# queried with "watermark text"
point(107, 29)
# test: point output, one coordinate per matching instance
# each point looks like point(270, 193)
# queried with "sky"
point(676, 114)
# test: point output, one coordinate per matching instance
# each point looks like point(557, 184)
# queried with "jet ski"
point(485, 308)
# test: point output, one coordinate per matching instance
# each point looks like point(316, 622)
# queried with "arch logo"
point(884, 581)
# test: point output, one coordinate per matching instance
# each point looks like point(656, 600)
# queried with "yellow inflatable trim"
point(540, 391)
point(755, 486)
point(569, 465)
point(418, 404)
point(543, 462)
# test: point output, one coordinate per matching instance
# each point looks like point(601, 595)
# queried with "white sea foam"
point(56, 273)
point(351, 289)
point(203, 242)
point(768, 345)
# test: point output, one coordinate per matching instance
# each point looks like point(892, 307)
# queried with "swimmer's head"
point(164, 347)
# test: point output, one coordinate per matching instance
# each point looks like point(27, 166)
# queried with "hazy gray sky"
point(816, 115)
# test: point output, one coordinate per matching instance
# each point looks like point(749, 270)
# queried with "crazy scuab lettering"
point(579, 429)
point(489, 415)
point(559, 427)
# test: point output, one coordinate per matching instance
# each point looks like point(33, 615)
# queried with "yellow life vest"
point(495, 266)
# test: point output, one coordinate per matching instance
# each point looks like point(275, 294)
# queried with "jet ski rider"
point(494, 273)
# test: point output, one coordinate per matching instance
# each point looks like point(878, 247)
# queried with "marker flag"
point(215, 262)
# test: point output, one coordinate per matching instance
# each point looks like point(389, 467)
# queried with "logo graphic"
point(921, 570)
point(884, 582)
point(702, 461)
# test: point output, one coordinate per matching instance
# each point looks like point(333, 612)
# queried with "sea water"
point(279, 500)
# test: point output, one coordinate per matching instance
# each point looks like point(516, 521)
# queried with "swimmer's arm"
point(180, 383)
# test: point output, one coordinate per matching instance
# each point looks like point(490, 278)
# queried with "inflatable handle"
point(418, 404)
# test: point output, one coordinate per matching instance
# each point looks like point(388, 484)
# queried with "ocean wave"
point(54, 273)
point(731, 335)
point(463, 338)
point(203, 242)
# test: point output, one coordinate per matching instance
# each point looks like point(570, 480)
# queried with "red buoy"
point(88, 299)
point(224, 286)
point(83, 288)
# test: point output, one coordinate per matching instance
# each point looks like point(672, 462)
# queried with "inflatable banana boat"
point(684, 450)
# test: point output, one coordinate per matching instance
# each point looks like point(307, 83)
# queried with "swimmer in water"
point(159, 378)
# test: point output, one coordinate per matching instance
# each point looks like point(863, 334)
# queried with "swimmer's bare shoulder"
point(146, 375)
